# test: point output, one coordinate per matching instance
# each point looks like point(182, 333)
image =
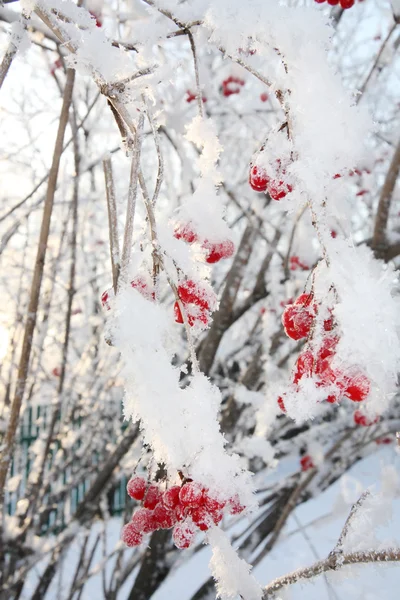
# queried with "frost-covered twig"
point(112, 221)
point(9, 56)
point(354, 510)
point(132, 194)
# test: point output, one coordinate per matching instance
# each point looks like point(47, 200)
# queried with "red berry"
point(201, 518)
point(235, 508)
point(279, 189)
point(171, 496)
point(295, 263)
point(214, 508)
point(152, 497)
point(141, 285)
point(333, 2)
point(258, 179)
point(361, 419)
point(178, 313)
point(163, 517)
point(56, 372)
point(190, 96)
point(191, 293)
point(105, 297)
point(184, 534)
point(306, 463)
point(304, 366)
point(143, 520)
point(130, 536)
point(191, 494)
point(383, 441)
point(347, 3)
point(217, 251)
point(333, 233)
point(186, 233)
point(136, 488)
point(357, 388)
point(264, 97)
point(298, 318)
point(281, 404)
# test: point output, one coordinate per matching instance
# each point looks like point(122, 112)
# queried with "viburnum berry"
point(130, 536)
point(347, 3)
point(235, 507)
point(201, 518)
point(164, 517)
point(191, 494)
point(143, 520)
point(171, 496)
point(363, 420)
point(281, 404)
point(258, 179)
point(357, 388)
point(141, 285)
point(136, 488)
point(264, 97)
point(306, 463)
point(279, 189)
point(298, 318)
point(218, 250)
point(184, 534)
point(152, 497)
point(304, 366)
point(105, 299)
point(193, 315)
point(214, 508)
point(185, 232)
point(191, 293)
point(383, 441)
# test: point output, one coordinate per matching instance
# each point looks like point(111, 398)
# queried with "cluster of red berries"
point(215, 251)
point(298, 320)
point(342, 3)
point(198, 303)
point(261, 182)
point(186, 508)
point(232, 85)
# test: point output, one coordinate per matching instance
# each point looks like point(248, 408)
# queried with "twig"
point(36, 286)
point(112, 221)
point(132, 195)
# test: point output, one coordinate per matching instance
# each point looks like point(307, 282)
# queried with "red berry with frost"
point(281, 404)
point(191, 494)
point(279, 189)
point(298, 318)
point(306, 463)
point(357, 388)
point(171, 496)
point(185, 232)
point(218, 250)
point(141, 285)
point(235, 507)
point(363, 420)
point(130, 536)
point(258, 179)
point(164, 517)
point(136, 488)
point(304, 366)
point(184, 535)
point(152, 497)
point(191, 293)
point(201, 518)
point(143, 520)
point(178, 313)
point(105, 298)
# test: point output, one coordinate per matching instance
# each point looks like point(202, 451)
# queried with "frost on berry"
point(363, 420)
point(105, 298)
point(306, 463)
point(185, 232)
point(136, 488)
point(152, 497)
point(191, 293)
point(130, 536)
point(297, 318)
point(184, 534)
point(216, 251)
point(140, 284)
point(164, 517)
point(235, 507)
point(171, 496)
point(191, 494)
point(201, 517)
point(258, 179)
point(143, 520)
point(357, 387)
